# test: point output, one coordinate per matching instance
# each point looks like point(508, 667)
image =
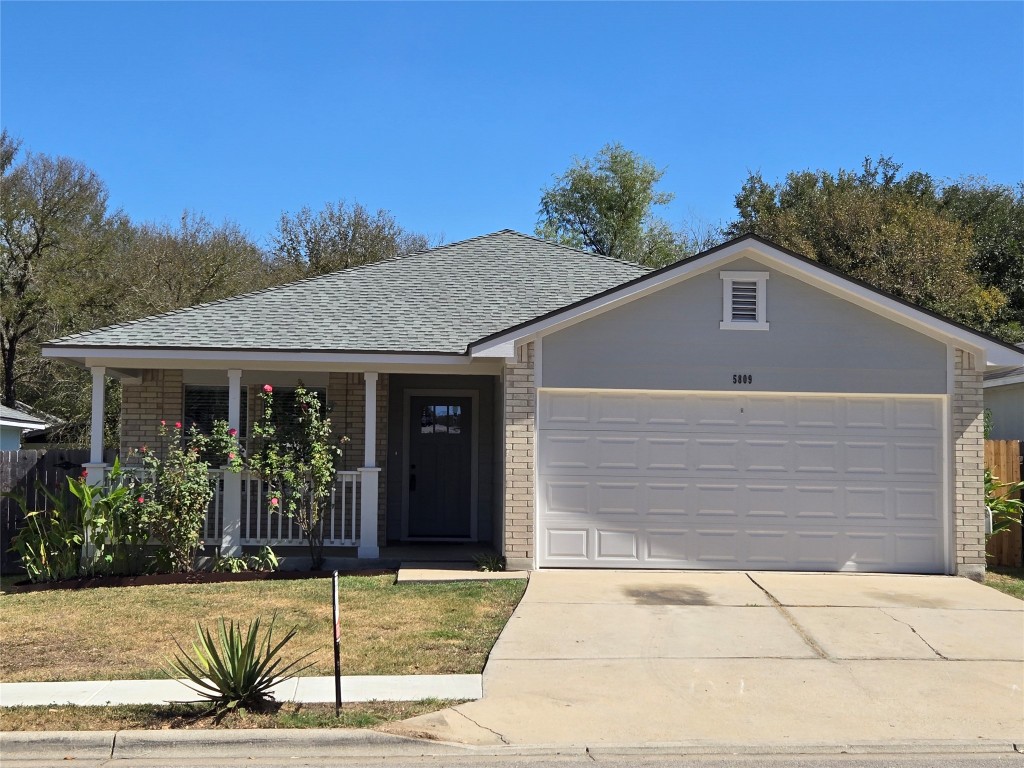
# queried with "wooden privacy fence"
point(19, 471)
point(1002, 457)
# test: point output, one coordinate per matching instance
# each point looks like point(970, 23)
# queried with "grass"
point(149, 717)
point(1008, 580)
point(129, 632)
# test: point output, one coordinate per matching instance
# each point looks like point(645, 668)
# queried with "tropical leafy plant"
point(50, 544)
point(299, 467)
point(113, 530)
point(1006, 511)
point(237, 668)
point(263, 561)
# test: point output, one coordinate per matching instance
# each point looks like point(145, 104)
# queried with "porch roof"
point(436, 301)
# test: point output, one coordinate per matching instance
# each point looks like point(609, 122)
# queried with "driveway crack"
point(478, 725)
point(912, 629)
point(810, 641)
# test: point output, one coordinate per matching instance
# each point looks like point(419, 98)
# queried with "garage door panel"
point(847, 459)
point(761, 414)
point(701, 480)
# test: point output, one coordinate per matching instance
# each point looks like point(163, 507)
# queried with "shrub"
point(239, 671)
point(114, 530)
point(264, 561)
point(1006, 511)
point(298, 469)
point(175, 491)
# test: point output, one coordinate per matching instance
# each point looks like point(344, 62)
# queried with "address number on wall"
point(742, 378)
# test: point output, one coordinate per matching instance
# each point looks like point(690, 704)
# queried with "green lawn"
point(1008, 580)
point(129, 632)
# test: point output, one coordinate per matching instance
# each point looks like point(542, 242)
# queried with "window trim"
point(729, 323)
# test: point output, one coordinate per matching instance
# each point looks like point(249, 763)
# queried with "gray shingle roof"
point(1006, 374)
point(434, 301)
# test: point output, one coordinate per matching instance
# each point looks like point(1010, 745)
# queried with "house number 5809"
point(742, 378)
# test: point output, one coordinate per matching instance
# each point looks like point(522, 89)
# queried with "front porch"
point(421, 479)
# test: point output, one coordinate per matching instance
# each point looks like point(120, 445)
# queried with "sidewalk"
point(308, 690)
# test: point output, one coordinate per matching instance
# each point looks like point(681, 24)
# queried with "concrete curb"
point(335, 743)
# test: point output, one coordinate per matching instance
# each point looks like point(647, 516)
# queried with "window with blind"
point(205, 405)
point(744, 301)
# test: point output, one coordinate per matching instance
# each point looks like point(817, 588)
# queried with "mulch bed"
point(197, 577)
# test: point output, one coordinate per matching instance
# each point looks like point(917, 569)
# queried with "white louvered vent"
point(744, 301)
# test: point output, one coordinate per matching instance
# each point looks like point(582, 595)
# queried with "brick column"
point(969, 466)
point(520, 418)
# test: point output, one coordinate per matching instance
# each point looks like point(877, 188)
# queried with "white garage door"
point(702, 480)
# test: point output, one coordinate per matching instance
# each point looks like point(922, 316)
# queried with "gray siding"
point(1007, 406)
point(816, 343)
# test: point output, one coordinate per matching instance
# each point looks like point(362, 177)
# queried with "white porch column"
point(231, 537)
point(369, 473)
point(96, 467)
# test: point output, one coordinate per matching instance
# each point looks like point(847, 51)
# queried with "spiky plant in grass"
point(239, 672)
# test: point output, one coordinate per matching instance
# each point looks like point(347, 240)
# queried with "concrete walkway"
point(309, 690)
point(768, 658)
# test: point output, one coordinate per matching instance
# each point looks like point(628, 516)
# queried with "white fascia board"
point(1004, 381)
point(994, 354)
point(137, 359)
point(23, 424)
point(505, 350)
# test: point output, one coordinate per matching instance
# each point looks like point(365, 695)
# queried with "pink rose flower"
point(163, 423)
point(231, 456)
point(177, 425)
point(232, 432)
point(267, 388)
point(85, 474)
point(142, 449)
point(141, 500)
point(274, 501)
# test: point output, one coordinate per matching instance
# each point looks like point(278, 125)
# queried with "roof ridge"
point(602, 256)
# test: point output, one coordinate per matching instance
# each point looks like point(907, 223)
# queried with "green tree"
point(337, 237)
point(878, 226)
point(995, 213)
point(168, 267)
point(53, 224)
point(606, 205)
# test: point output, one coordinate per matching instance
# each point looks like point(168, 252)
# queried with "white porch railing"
point(261, 526)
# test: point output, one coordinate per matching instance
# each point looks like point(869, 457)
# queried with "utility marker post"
point(337, 647)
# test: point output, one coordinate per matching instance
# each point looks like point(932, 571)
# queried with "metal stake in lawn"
point(337, 647)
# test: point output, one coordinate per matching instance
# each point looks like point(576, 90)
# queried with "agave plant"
point(239, 672)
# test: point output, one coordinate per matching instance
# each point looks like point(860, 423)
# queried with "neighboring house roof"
point(1005, 378)
point(12, 417)
point(434, 301)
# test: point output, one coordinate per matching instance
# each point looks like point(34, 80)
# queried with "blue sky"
point(455, 115)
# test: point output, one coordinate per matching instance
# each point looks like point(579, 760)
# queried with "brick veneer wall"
point(346, 393)
point(158, 396)
point(969, 466)
point(520, 417)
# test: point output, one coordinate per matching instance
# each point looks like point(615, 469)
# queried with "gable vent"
point(744, 301)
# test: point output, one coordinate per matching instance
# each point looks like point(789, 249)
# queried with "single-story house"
point(745, 408)
point(1004, 399)
point(15, 422)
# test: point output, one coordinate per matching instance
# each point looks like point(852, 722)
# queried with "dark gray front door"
point(440, 467)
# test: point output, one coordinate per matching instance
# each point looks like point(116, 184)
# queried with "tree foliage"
point(337, 237)
point(53, 220)
point(880, 226)
point(606, 205)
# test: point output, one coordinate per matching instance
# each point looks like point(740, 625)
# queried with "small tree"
point(175, 492)
point(297, 460)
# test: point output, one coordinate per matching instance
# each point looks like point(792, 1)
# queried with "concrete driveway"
point(616, 657)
